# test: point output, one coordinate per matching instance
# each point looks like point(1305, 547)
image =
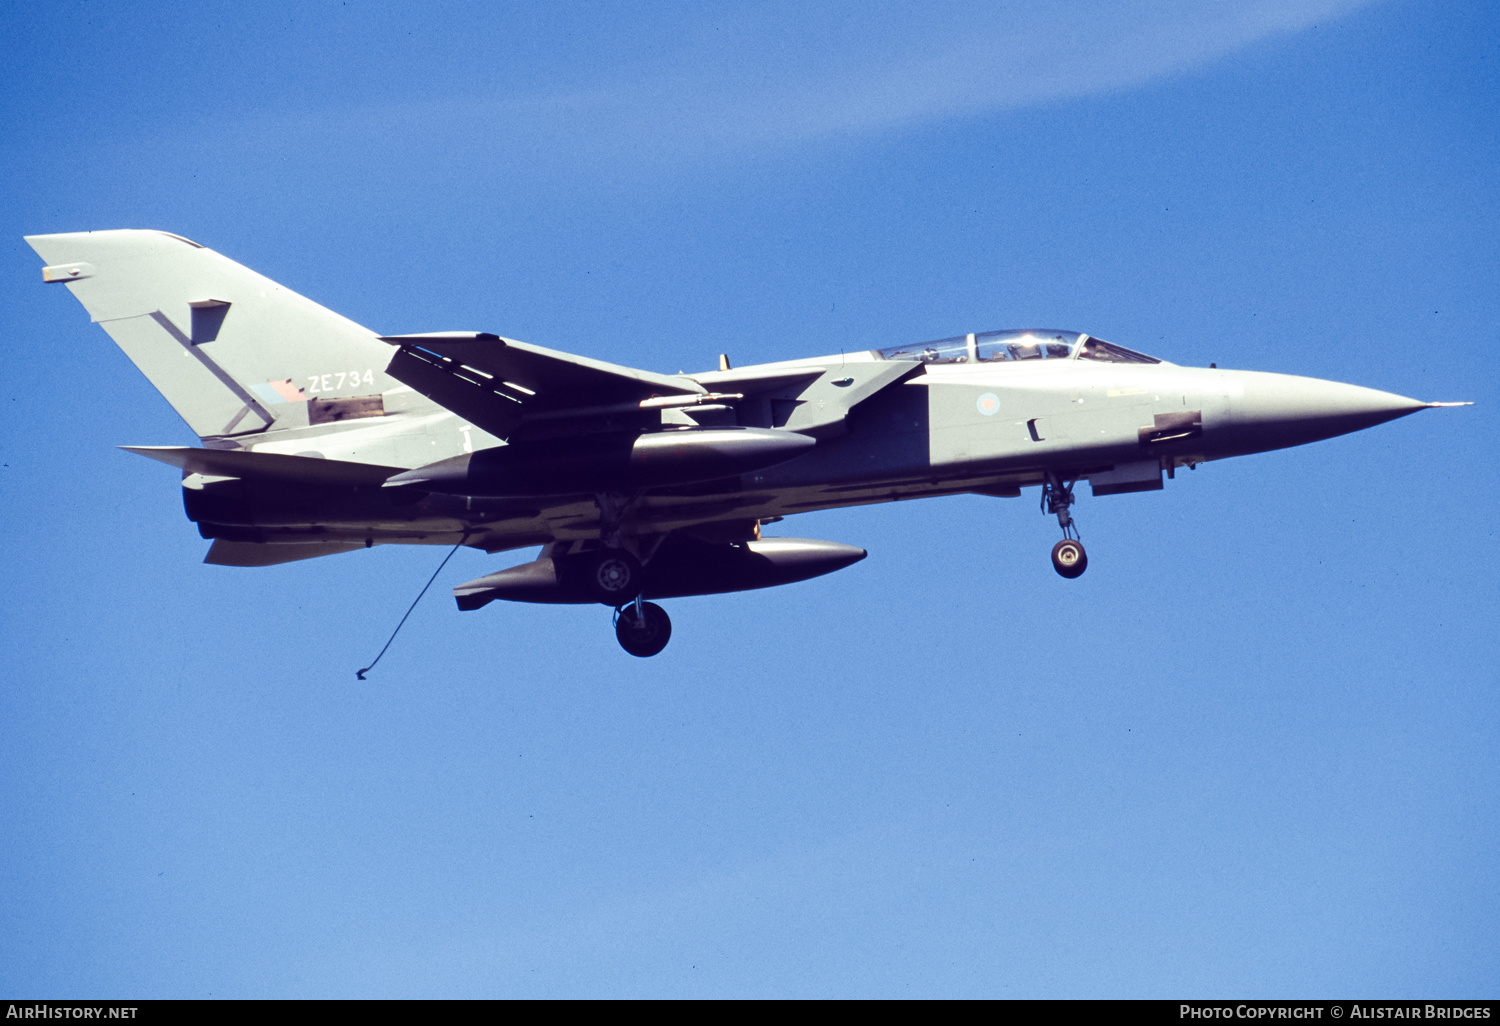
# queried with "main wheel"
point(646, 636)
point(614, 577)
point(1069, 559)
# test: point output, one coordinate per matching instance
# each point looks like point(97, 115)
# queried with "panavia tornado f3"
point(320, 436)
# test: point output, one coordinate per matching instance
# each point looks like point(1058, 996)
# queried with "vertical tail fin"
point(233, 352)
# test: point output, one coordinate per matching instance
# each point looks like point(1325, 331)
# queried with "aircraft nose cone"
point(1278, 410)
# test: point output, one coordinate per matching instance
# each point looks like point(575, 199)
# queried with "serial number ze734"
point(317, 383)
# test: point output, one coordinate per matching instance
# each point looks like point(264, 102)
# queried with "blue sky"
point(1251, 752)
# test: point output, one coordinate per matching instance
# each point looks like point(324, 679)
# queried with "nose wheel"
point(1068, 557)
point(642, 628)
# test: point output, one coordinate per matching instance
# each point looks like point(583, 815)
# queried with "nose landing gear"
point(642, 628)
point(1068, 557)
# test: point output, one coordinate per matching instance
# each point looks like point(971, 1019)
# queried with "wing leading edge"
point(498, 383)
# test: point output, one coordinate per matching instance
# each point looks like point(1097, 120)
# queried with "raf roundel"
point(988, 404)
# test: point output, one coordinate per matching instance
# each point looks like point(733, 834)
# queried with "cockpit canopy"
point(1015, 344)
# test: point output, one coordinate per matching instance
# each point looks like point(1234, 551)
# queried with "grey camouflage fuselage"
point(319, 436)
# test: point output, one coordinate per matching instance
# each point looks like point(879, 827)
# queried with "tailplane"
point(234, 353)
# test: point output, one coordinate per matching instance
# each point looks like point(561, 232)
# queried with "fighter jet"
point(319, 436)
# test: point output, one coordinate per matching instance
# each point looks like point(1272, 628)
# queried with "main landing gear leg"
point(615, 574)
point(1068, 557)
point(642, 628)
